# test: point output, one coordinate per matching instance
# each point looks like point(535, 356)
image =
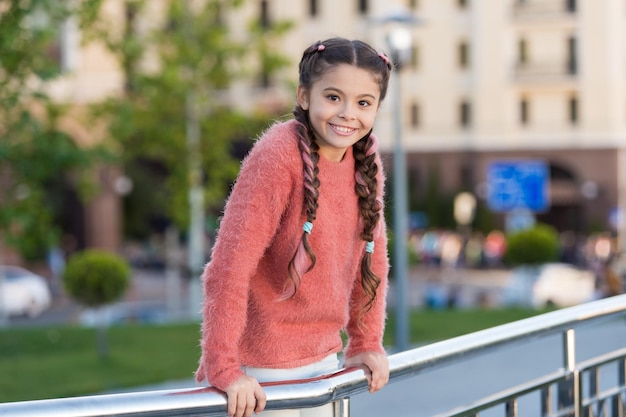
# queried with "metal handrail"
point(340, 386)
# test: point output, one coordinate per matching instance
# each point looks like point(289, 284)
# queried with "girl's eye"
point(333, 97)
point(364, 103)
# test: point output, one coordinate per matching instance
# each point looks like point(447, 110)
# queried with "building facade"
point(499, 80)
point(515, 80)
point(488, 80)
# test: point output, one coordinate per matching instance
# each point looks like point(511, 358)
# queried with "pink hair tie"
point(320, 47)
point(384, 58)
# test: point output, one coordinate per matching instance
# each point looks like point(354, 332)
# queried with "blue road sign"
point(518, 184)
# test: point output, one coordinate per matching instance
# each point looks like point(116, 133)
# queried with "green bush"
point(534, 246)
point(95, 277)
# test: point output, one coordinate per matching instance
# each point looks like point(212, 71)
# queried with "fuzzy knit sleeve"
point(251, 217)
point(365, 334)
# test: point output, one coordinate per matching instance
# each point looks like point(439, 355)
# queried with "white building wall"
point(602, 65)
point(492, 83)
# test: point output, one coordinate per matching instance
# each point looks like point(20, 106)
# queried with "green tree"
point(184, 95)
point(37, 158)
point(96, 278)
point(533, 246)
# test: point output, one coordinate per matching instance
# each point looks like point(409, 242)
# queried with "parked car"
point(557, 284)
point(563, 285)
point(23, 293)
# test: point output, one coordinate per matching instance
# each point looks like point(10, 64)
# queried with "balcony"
point(525, 10)
point(546, 72)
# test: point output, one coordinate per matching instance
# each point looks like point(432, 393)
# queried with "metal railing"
point(560, 390)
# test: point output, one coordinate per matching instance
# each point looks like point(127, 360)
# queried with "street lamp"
point(400, 41)
point(464, 211)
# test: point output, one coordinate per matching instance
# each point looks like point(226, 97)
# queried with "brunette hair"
point(316, 60)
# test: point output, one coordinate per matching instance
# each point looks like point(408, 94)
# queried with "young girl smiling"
point(301, 254)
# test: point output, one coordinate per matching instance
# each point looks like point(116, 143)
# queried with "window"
point(415, 57)
point(363, 6)
point(522, 51)
point(571, 6)
point(62, 51)
point(265, 81)
point(415, 115)
point(218, 11)
point(465, 114)
point(70, 45)
point(573, 110)
point(265, 14)
point(463, 54)
point(523, 111)
point(313, 8)
point(466, 172)
point(559, 172)
point(572, 61)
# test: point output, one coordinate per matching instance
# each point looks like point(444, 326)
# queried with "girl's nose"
point(347, 113)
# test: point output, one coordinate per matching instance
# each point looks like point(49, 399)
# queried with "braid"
point(310, 157)
point(316, 60)
point(370, 207)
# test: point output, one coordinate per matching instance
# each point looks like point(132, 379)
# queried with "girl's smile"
point(342, 129)
point(342, 106)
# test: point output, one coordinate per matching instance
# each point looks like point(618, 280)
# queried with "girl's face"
point(342, 106)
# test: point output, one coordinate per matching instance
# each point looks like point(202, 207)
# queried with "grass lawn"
point(52, 362)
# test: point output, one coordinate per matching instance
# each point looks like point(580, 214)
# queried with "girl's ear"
point(302, 96)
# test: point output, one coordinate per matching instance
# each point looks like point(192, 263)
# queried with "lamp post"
point(195, 254)
point(464, 211)
point(400, 42)
point(4, 317)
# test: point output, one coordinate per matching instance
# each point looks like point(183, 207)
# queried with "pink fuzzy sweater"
point(244, 323)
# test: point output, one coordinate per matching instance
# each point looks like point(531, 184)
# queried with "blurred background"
point(123, 124)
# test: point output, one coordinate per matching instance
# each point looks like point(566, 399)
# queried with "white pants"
point(325, 366)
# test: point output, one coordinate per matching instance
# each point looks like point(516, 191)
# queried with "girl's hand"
point(377, 371)
point(245, 396)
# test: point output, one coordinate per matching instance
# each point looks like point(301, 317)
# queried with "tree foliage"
point(194, 59)
point(37, 158)
point(95, 278)
point(193, 55)
point(534, 246)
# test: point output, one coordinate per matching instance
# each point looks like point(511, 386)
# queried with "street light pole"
point(195, 255)
point(400, 220)
point(4, 318)
point(400, 42)
point(195, 247)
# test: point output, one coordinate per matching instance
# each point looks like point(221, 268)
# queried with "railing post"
point(546, 401)
point(617, 406)
point(341, 408)
point(569, 395)
point(511, 408)
point(594, 391)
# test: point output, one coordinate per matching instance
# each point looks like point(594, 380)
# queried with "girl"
point(302, 253)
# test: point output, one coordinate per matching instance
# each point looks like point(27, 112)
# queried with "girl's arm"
point(251, 217)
